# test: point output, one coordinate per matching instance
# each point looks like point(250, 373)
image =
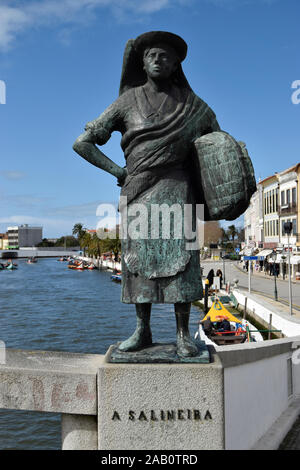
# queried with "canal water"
point(46, 306)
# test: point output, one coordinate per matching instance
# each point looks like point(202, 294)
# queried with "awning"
point(264, 253)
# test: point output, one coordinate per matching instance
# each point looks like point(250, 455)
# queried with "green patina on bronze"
point(175, 154)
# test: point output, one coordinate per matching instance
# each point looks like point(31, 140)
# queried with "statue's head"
point(160, 61)
point(161, 52)
point(161, 38)
point(156, 54)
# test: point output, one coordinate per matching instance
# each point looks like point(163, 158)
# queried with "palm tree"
point(114, 245)
point(86, 243)
point(78, 230)
point(232, 232)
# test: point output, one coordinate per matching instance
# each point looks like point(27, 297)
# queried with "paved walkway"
point(260, 280)
point(261, 284)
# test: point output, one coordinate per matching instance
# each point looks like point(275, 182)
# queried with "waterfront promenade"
point(261, 284)
point(57, 309)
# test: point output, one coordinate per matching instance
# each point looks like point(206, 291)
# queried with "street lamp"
point(224, 275)
point(274, 256)
point(287, 227)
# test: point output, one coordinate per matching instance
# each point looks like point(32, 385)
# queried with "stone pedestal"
point(79, 432)
point(160, 406)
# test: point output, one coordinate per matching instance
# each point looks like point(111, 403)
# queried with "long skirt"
point(158, 265)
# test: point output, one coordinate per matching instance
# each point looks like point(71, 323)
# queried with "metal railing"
point(289, 208)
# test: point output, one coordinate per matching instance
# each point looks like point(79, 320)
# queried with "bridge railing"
point(260, 383)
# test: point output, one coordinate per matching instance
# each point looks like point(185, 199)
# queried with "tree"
point(78, 230)
point(114, 245)
point(232, 232)
point(241, 234)
point(212, 232)
point(45, 243)
point(67, 241)
point(86, 243)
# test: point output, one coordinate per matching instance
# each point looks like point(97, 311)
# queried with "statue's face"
point(160, 62)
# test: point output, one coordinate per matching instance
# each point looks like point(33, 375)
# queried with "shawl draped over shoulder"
point(157, 148)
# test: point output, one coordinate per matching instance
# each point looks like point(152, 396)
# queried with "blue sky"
point(61, 61)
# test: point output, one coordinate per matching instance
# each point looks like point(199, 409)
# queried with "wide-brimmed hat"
point(161, 37)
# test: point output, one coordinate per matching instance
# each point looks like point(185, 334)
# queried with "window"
point(288, 196)
point(294, 226)
point(294, 196)
point(282, 198)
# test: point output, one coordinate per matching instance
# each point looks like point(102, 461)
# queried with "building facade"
point(3, 241)
point(276, 201)
point(253, 220)
point(24, 236)
point(289, 206)
point(270, 212)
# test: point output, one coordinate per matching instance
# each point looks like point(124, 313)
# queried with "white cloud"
point(12, 21)
point(18, 16)
point(52, 227)
point(57, 221)
point(27, 219)
point(12, 174)
point(88, 209)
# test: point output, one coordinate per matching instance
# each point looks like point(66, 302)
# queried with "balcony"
point(288, 209)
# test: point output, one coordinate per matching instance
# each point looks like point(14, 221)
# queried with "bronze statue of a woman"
point(159, 118)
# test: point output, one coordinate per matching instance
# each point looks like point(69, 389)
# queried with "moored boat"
point(11, 266)
point(77, 265)
point(237, 331)
point(116, 277)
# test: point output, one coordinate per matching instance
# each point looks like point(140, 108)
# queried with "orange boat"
point(76, 265)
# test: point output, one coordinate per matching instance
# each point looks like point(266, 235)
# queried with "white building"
point(271, 232)
point(288, 184)
point(276, 201)
point(24, 236)
point(253, 220)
